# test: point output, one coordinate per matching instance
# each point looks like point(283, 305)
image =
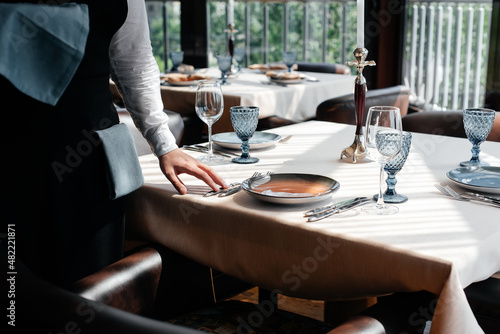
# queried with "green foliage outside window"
point(256, 37)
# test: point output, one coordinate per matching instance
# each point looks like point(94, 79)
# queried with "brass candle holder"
point(357, 150)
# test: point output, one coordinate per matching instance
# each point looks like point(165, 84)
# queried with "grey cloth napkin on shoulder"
point(41, 46)
point(124, 171)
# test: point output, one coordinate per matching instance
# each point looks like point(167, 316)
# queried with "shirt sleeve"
point(136, 74)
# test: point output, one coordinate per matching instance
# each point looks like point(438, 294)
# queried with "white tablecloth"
point(296, 102)
point(434, 243)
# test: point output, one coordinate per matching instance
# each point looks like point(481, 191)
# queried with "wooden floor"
point(309, 308)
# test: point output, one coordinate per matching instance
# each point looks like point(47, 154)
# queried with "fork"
point(233, 188)
point(447, 190)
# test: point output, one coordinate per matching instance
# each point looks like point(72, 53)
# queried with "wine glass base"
point(473, 163)
point(383, 210)
point(211, 160)
point(398, 198)
point(250, 160)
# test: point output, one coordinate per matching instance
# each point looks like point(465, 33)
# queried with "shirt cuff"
point(162, 142)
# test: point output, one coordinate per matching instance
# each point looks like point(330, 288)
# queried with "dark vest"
point(56, 195)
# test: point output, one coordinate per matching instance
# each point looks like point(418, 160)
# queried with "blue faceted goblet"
point(239, 56)
point(477, 123)
point(244, 120)
point(392, 168)
point(176, 58)
point(289, 58)
point(224, 63)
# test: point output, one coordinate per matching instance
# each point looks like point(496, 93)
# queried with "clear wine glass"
point(289, 58)
point(176, 57)
point(224, 63)
point(244, 120)
point(209, 106)
point(383, 141)
point(477, 123)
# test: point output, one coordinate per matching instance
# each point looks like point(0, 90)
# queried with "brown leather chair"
point(446, 123)
point(323, 68)
point(342, 109)
point(272, 122)
point(137, 294)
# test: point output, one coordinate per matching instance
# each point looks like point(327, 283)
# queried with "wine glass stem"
point(244, 149)
point(391, 184)
point(380, 199)
point(475, 153)
point(210, 149)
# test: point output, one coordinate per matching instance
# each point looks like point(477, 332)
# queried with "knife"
point(232, 188)
point(230, 191)
point(195, 149)
point(216, 150)
point(340, 209)
point(485, 198)
point(329, 207)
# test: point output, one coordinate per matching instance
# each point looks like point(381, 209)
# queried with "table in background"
point(434, 243)
point(296, 102)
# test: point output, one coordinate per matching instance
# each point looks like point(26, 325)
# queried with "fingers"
point(212, 176)
point(177, 162)
point(177, 183)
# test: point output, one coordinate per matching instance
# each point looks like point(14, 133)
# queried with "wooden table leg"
point(337, 312)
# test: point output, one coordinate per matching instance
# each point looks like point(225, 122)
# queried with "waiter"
point(57, 182)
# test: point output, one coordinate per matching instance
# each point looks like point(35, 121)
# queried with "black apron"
point(56, 193)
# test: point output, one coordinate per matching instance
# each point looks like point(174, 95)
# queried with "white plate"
point(290, 188)
point(258, 140)
point(482, 179)
point(288, 81)
point(183, 83)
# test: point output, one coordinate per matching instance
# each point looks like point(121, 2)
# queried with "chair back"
point(446, 123)
point(323, 68)
point(342, 109)
point(129, 284)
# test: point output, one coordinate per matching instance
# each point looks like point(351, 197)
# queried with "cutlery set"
point(329, 210)
point(469, 196)
point(232, 189)
point(311, 215)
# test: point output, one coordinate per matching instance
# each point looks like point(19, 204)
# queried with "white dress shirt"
point(136, 74)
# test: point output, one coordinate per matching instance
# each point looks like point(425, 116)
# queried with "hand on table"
point(177, 162)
